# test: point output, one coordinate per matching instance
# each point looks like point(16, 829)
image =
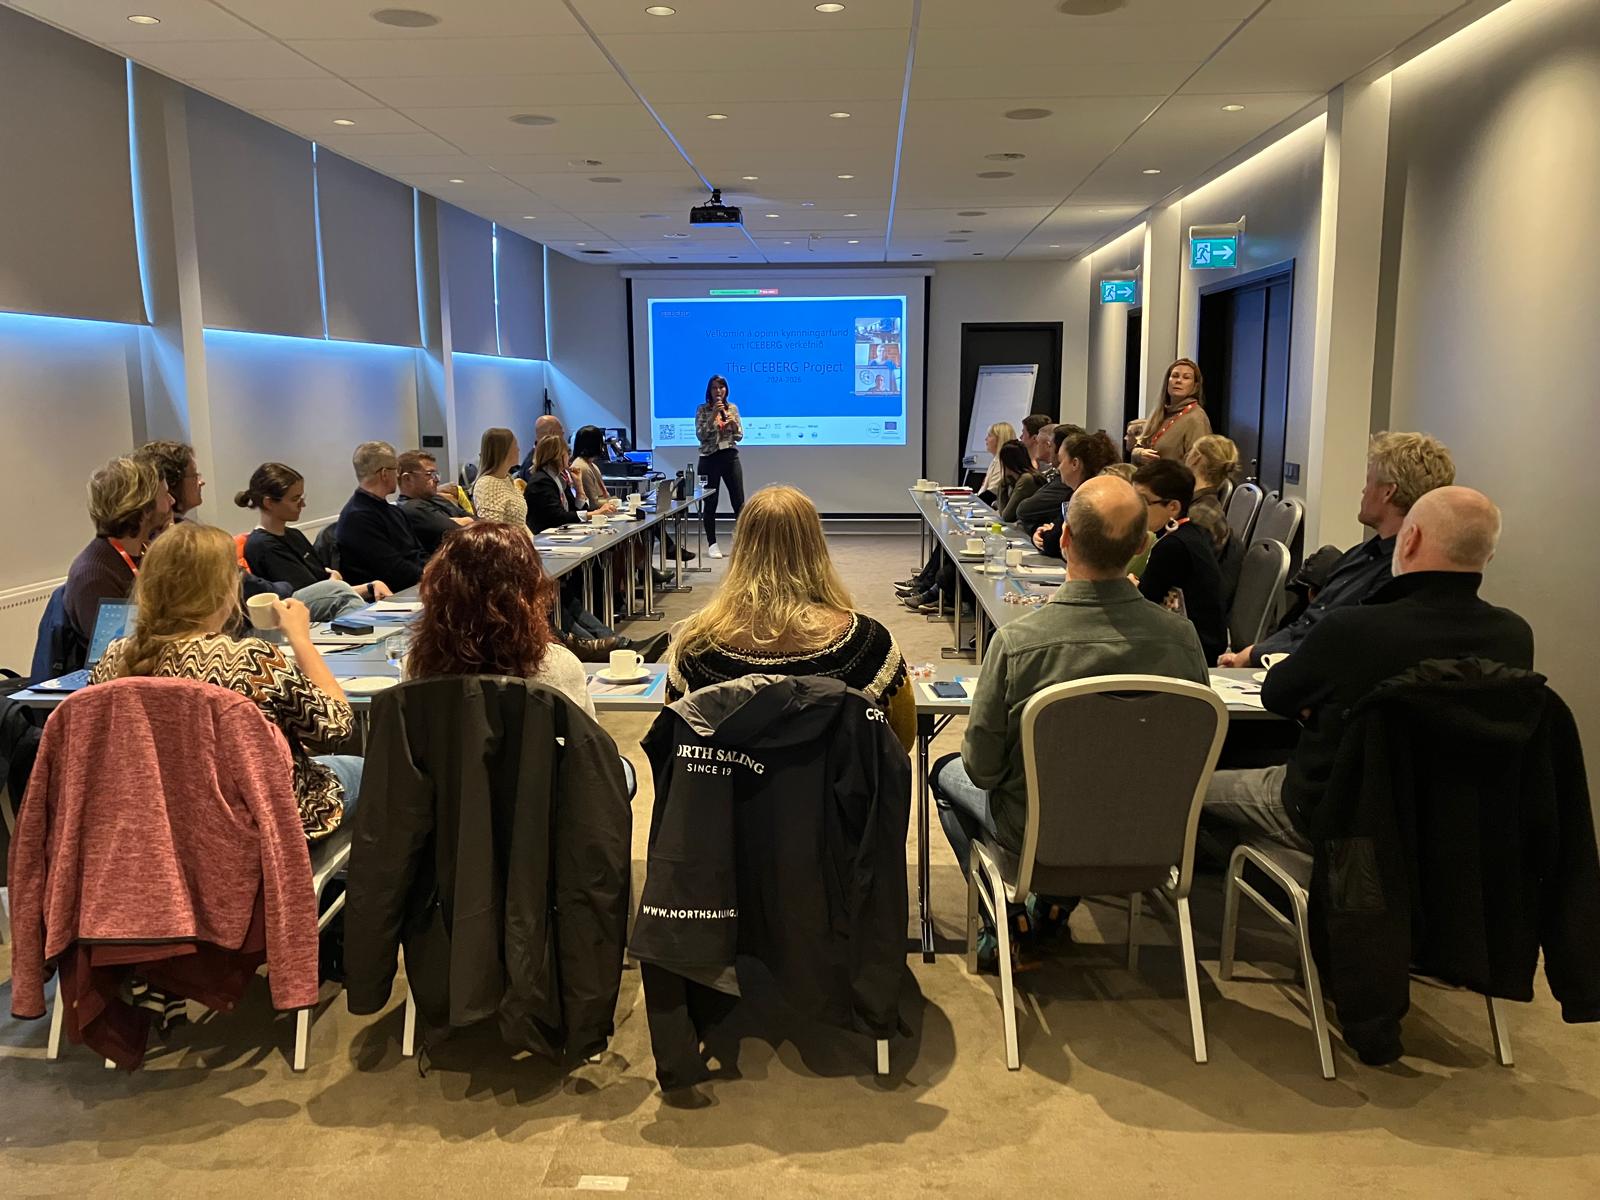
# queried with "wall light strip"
point(316, 221)
point(140, 231)
point(494, 270)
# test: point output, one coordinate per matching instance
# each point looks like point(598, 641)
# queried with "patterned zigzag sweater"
point(864, 656)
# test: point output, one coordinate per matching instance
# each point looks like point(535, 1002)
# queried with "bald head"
point(547, 426)
point(1448, 529)
point(1105, 528)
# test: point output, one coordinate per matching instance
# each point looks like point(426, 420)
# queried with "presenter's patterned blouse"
point(713, 439)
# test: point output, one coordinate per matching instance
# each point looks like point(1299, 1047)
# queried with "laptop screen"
point(114, 620)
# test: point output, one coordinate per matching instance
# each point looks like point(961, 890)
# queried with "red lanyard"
point(1166, 425)
point(117, 546)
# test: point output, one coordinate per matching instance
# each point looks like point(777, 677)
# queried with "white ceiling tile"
point(262, 59)
point(1047, 79)
point(649, 161)
point(353, 59)
point(525, 93)
point(781, 83)
point(695, 18)
point(794, 51)
point(257, 94)
point(1360, 8)
point(318, 124)
point(107, 23)
point(292, 19)
point(365, 145)
point(1302, 56)
point(1032, 15)
point(999, 46)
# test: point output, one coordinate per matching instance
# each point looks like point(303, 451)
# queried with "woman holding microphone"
point(717, 425)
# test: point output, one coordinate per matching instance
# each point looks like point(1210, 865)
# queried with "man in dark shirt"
point(430, 514)
point(375, 539)
point(1044, 507)
point(1430, 609)
point(1401, 469)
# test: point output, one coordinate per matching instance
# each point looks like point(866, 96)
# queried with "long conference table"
point(375, 663)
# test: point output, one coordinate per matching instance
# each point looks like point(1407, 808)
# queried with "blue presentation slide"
point(802, 370)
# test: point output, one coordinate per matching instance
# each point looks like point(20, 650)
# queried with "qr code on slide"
point(665, 432)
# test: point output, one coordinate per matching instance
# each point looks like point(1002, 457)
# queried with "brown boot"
point(595, 650)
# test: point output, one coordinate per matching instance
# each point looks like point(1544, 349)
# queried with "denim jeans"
point(963, 808)
point(329, 599)
point(346, 769)
point(1252, 801)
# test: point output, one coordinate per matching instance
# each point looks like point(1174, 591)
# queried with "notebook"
point(113, 620)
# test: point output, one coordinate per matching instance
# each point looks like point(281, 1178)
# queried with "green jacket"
point(1086, 629)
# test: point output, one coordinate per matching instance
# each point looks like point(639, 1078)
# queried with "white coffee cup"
point(634, 501)
point(1271, 660)
point(599, 520)
point(260, 611)
point(1014, 556)
point(924, 484)
point(974, 545)
point(625, 664)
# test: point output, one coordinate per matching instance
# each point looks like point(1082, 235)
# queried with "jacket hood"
point(1484, 701)
point(764, 710)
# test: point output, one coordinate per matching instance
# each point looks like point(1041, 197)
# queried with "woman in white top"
point(495, 494)
point(486, 604)
point(1000, 433)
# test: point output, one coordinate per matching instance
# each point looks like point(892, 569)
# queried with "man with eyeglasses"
point(375, 538)
point(430, 514)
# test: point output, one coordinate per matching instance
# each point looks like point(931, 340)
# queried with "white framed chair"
point(328, 858)
point(1291, 870)
point(1070, 849)
point(1262, 576)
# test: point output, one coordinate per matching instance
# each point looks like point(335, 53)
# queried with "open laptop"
point(115, 619)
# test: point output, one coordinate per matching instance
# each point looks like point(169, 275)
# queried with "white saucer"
point(932, 487)
point(969, 556)
point(605, 676)
point(367, 685)
point(1259, 676)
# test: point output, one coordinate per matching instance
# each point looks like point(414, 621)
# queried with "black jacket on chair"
point(779, 833)
point(1456, 839)
point(550, 502)
point(493, 841)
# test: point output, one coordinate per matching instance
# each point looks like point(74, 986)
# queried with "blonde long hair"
point(781, 585)
point(188, 575)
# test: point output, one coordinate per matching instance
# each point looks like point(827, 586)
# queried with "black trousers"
point(721, 467)
point(682, 1015)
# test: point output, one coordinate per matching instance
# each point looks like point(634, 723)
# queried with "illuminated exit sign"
point(1119, 291)
point(1212, 253)
point(744, 291)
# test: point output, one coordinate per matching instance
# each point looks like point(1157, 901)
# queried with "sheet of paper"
point(397, 606)
point(599, 687)
point(1236, 691)
point(1042, 574)
point(562, 551)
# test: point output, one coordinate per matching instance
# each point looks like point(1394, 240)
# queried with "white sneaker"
point(712, 551)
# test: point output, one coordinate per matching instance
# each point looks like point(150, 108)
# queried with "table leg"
point(610, 606)
point(959, 649)
point(979, 638)
point(925, 735)
point(677, 541)
point(650, 613)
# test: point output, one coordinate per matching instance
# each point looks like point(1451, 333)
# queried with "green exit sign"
point(1119, 291)
point(1211, 253)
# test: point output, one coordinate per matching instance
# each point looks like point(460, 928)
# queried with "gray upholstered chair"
point(1243, 506)
point(1291, 871)
point(1280, 521)
point(1261, 578)
point(1105, 815)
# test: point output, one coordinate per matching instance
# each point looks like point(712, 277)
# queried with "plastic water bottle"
point(994, 549)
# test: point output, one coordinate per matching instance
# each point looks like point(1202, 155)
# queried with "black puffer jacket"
point(493, 839)
point(1455, 839)
point(779, 833)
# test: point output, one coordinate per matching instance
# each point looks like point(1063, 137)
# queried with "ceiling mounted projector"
point(715, 212)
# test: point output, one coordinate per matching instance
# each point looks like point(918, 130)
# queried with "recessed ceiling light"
point(844, 176)
point(830, 8)
point(405, 18)
point(995, 174)
point(1233, 108)
point(839, 116)
point(972, 212)
point(661, 10)
point(852, 214)
point(1055, 245)
point(532, 119)
point(141, 19)
point(674, 235)
point(343, 121)
point(580, 243)
point(772, 216)
point(458, 181)
point(955, 241)
point(854, 241)
point(1028, 114)
point(530, 218)
point(749, 178)
point(1102, 210)
point(788, 243)
point(808, 204)
point(596, 251)
point(716, 116)
point(1152, 170)
point(604, 179)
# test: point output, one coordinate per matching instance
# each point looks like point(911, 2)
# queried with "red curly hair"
point(486, 604)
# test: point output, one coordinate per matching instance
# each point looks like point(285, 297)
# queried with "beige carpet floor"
point(1108, 1101)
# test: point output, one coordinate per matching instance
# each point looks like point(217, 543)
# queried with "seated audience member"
point(1080, 458)
point(129, 504)
point(1032, 426)
point(279, 553)
point(1181, 571)
point(188, 592)
point(375, 539)
point(1213, 459)
point(548, 425)
point(782, 610)
point(1401, 469)
point(1045, 505)
point(1097, 623)
point(1043, 451)
point(551, 498)
point(1018, 480)
point(588, 452)
point(1429, 609)
point(495, 494)
point(486, 611)
point(999, 434)
point(431, 515)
